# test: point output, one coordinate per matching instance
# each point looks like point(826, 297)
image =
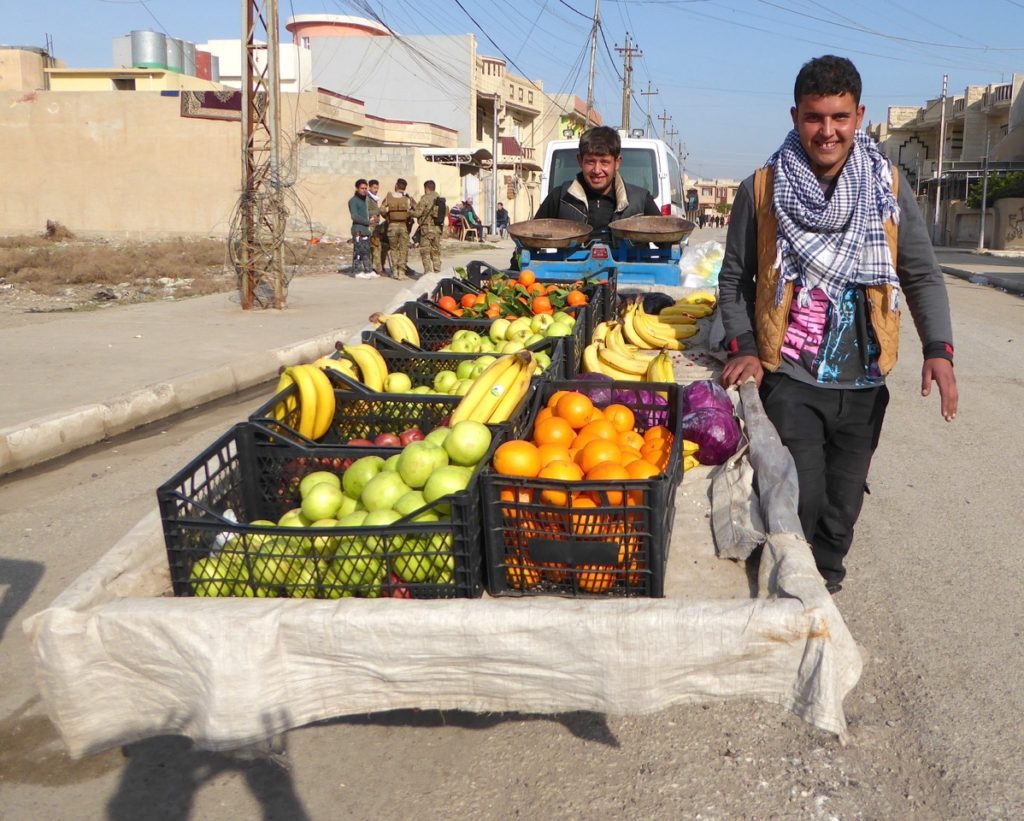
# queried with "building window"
point(480, 114)
point(511, 91)
point(530, 98)
point(520, 95)
point(305, 42)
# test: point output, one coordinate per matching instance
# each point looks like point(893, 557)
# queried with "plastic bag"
point(700, 264)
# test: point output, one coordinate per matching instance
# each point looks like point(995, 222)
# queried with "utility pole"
point(984, 193)
point(672, 140)
point(648, 94)
point(259, 256)
point(593, 59)
point(665, 117)
point(494, 165)
point(628, 53)
point(936, 230)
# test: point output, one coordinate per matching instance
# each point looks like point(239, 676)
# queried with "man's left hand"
point(941, 372)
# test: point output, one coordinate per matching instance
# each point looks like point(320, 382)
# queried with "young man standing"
point(397, 208)
point(377, 254)
point(824, 246)
point(359, 212)
point(598, 195)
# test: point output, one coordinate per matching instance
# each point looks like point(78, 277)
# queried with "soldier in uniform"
point(426, 214)
point(378, 228)
point(397, 207)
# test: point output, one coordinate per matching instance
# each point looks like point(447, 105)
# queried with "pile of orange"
point(575, 441)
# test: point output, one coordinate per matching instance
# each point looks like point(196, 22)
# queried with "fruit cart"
point(645, 250)
point(119, 658)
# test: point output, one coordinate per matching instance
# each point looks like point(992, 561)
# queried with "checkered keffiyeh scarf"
point(833, 243)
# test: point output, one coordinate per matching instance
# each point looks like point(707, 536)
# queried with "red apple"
point(411, 435)
point(362, 443)
point(387, 440)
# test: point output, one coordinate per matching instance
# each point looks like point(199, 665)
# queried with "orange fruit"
point(655, 455)
point(545, 413)
point(659, 432)
point(553, 453)
point(527, 278)
point(494, 311)
point(597, 451)
point(520, 495)
point(575, 298)
point(562, 472)
point(553, 431)
point(629, 455)
point(521, 573)
point(595, 578)
point(541, 305)
point(595, 414)
point(553, 399)
point(447, 303)
point(642, 469)
point(609, 472)
point(584, 523)
point(621, 417)
point(574, 408)
point(602, 429)
point(468, 300)
point(517, 458)
point(631, 439)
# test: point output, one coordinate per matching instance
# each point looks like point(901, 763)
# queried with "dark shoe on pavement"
point(833, 587)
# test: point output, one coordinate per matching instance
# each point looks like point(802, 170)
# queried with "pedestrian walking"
point(824, 246)
point(397, 208)
point(359, 211)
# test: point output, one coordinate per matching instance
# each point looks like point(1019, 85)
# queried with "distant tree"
point(723, 208)
point(1007, 185)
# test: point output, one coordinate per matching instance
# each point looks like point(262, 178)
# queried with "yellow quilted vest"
point(771, 320)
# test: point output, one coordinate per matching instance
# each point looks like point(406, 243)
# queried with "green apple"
point(533, 339)
point(412, 567)
point(383, 490)
point(322, 502)
point(564, 318)
point(315, 478)
point(542, 359)
point(438, 452)
point(464, 369)
point(519, 336)
point(512, 346)
point(359, 473)
point(467, 443)
point(444, 381)
point(302, 579)
point(348, 505)
point(438, 435)
point(462, 387)
point(324, 545)
point(540, 323)
point(294, 518)
point(391, 463)
point(415, 464)
point(445, 481)
point(422, 389)
point(269, 573)
point(519, 325)
point(256, 541)
point(486, 346)
point(499, 327)
point(558, 329)
point(410, 502)
point(481, 364)
point(397, 383)
point(216, 576)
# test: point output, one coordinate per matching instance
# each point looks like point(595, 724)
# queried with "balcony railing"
point(958, 106)
point(1000, 95)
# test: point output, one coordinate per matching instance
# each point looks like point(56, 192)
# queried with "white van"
point(646, 162)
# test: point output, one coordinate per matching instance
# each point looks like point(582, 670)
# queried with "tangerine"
point(553, 431)
point(517, 458)
point(541, 305)
point(527, 278)
point(621, 417)
point(576, 298)
point(597, 451)
point(468, 300)
point(574, 408)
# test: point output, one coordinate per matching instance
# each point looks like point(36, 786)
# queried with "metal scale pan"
point(655, 229)
point(548, 233)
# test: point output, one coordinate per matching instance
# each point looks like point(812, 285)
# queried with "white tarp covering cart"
point(118, 658)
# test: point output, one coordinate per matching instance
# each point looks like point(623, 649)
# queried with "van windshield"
point(638, 168)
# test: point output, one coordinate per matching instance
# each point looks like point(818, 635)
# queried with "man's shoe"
point(833, 587)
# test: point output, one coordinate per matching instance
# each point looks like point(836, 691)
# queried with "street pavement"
point(74, 379)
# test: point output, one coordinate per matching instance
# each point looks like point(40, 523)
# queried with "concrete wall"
point(1009, 223)
point(966, 225)
point(126, 164)
point(421, 78)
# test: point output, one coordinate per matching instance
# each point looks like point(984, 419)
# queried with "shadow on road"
point(584, 725)
point(20, 577)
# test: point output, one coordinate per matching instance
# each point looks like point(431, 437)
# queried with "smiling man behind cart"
point(598, 195)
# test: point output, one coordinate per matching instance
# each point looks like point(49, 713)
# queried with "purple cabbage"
point(716, 432)
point(648, 407)
point(600, 394)
point(706, 394)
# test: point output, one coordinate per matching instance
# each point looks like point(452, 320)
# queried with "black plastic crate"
point(539, 540)
point(423, 366)
point(359, 414)
point(436, 331)
point(257, 480)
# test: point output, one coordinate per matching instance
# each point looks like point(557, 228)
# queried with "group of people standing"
point(381, 226)
point(714, 220)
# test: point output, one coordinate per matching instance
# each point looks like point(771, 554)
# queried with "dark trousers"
point(832, 435)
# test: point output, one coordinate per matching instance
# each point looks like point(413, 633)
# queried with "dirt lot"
point(56, 271)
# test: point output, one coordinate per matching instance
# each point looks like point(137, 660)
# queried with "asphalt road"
point(933, 597)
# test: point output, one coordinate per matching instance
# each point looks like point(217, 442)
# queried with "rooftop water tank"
point(149, 49)
point(188, 63)
point(175, 55)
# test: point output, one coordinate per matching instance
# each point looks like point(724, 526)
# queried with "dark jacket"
point(360, 213)
point(570, 201)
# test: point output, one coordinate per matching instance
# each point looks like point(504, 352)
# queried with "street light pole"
point(984, 193)
point(936, 231)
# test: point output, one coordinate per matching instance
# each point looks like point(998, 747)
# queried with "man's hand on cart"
point(741, 368)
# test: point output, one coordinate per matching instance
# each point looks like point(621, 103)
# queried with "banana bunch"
point(399, 327)
point(656, 332)
point(497, 392)
point(314, 399)
point(613, 356)
point(690, 455)
point(373, 369)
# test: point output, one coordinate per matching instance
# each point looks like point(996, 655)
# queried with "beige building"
point(713, 196)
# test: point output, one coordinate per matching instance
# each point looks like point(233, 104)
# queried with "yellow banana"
point(282, 409)
point(656, 336)
point(660, 369)
point(698, 298)
point(675, 317)
point(696, 310)
point(399, 327)
point(499, 390)
point(622, 361)
point(593, 363)
point(690, 462)
point(601, 330)
point(325, 401)
point(683, 331)
point(343, 366)
point(307, 399)
point(481, 386)
point(689, 448)
point(629, 330)
point(372, 367)
point(514, 395)
point(617, 342)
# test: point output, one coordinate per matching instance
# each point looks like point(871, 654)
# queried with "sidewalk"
point(999, 269)
point(73, 379)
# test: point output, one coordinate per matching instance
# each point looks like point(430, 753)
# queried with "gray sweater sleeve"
point(921, 279)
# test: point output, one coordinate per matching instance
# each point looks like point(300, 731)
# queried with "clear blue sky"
point(723, 69)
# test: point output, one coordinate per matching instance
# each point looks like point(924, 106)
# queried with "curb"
point(1013, 285)
point(49, 437)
